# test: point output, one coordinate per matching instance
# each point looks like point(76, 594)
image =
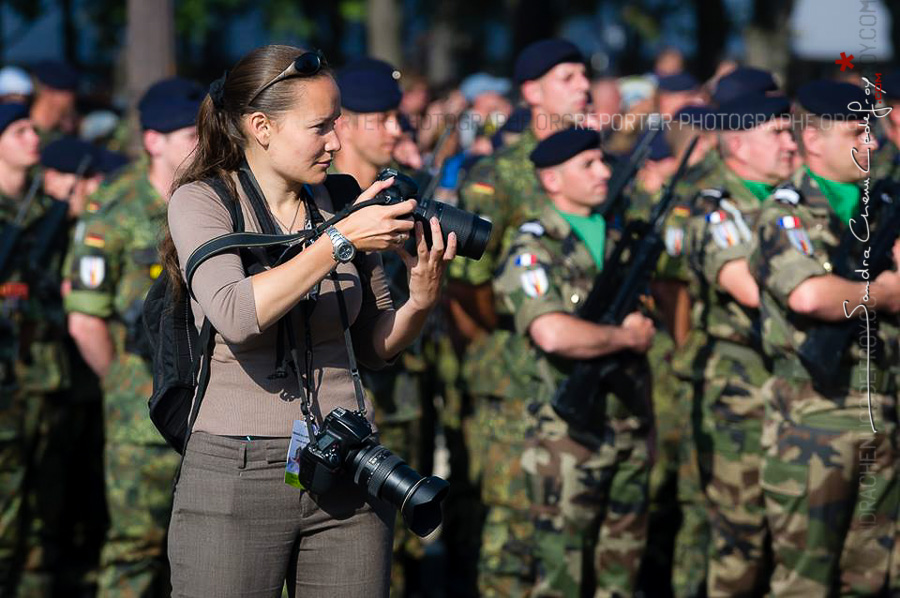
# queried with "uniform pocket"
point(784, 472)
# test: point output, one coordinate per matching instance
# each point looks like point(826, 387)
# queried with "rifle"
point(12, 231)
point(826, 344)
point(581, 398)
point(623, 176)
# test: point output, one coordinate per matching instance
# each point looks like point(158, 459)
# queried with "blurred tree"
point(767, 39)
point(384, 26)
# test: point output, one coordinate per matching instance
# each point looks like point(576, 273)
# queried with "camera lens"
point(472, 231)
point(388, 477)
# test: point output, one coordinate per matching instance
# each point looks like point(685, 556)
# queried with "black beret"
point(743, 80)
point(170, 104)
point(659, 147)
point(57, 75)
point(678, 82)
point(890, 84)
point(369, 85)
point(750, 111)
point(538, 58)
point(832, 99)
point(67, 153)
point(561, 146)
point(10, 113)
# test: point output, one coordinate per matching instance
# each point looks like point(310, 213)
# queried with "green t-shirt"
point(760, 190)
point(592, 230)
point(843, 197)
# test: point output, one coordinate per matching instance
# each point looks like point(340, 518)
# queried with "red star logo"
point(845, 61)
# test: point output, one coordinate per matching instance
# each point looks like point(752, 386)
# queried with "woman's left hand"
point(426, 268)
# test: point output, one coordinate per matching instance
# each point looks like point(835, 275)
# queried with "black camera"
point(346, 444)
point(472, 231)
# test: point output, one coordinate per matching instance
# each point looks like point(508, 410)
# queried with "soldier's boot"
point(139, 495)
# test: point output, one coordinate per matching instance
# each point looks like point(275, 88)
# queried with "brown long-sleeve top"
point(242, 398)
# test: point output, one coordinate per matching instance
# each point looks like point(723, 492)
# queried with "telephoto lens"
point(472, 231)
point(386, 476)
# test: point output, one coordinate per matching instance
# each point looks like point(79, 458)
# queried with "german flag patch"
point(94, 240)
point(482, 188)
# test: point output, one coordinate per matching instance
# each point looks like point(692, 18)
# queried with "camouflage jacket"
point(113, 262)
point(504, 189)
point(31, 316)
point(886, 163)
point(798, 233)
point(720, 231)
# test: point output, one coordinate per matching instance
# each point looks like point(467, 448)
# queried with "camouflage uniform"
point(734, 373)
point(586, 500)
point(830, 483)
point(503, 188)
point(114, 261)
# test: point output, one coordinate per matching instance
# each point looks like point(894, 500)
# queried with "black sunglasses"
point(305, 65)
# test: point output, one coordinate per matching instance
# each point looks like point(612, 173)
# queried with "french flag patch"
point(716, 217)
point(789, 222)
point(526, 259)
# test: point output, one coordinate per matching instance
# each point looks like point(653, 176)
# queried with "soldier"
point(18, 154)
point(576, 487)
point(757, 151)
point(677, 91)
point(53, 109)
point(369, 131)
point(114, 261)
point(504, 188)
point(830, 482)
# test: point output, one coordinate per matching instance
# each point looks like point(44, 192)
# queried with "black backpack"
point(180, 353)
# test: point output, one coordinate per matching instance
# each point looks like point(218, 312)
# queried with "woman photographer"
point(237, 529)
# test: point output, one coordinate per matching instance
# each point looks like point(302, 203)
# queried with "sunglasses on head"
point(305, 65)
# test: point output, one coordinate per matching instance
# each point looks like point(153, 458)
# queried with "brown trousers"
point(238, 530)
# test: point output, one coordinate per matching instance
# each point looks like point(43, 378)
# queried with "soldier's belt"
point(852, 377)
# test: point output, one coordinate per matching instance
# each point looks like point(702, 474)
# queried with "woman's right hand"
point(378, 228)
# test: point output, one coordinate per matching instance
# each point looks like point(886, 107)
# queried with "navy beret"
point(561, 146)
point(743, 80)
point(57, 75)
point(749, 111)
point(832, 99)
point(890, 84)
point(696, 116)
point(678, 82)
point(10, 113)
point(109, 162)
point(67, 153)
point(170, 104)
point(538, 58)
point(659, 147)
point(369, 85)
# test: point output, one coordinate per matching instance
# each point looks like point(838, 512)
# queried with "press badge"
point(299, 440)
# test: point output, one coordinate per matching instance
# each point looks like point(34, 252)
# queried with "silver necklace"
point(293, 220)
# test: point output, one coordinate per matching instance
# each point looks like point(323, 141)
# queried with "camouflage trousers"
point(740, 553)
point(496, 441)
point(139, 482)
point(831, 490)
point(590, 510)
point(12, 479)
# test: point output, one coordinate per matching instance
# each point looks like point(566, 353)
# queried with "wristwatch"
point(344, 251)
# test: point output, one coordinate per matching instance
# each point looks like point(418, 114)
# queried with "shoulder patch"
point(533, 227)
point(716, 217)
point(715, 194)
point(95, 240)
point(92, 270)
point(788, 194)
point(523, 260)
point(534, 282)
point(482, 188)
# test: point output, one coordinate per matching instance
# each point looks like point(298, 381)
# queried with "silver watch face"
point(345, 251)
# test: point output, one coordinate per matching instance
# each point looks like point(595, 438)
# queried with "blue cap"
point(170, 104)
point(369, 85)
point(109, 162)
point(890, 85)
point(538, 58)
point(749, 111)
point(57, 75)
point(659, 147)
point(66, 154)
point(10, 113)
point(832, 99)
point(564, 145)
point(743, 80)
point(479, 83)
point(682, 81)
